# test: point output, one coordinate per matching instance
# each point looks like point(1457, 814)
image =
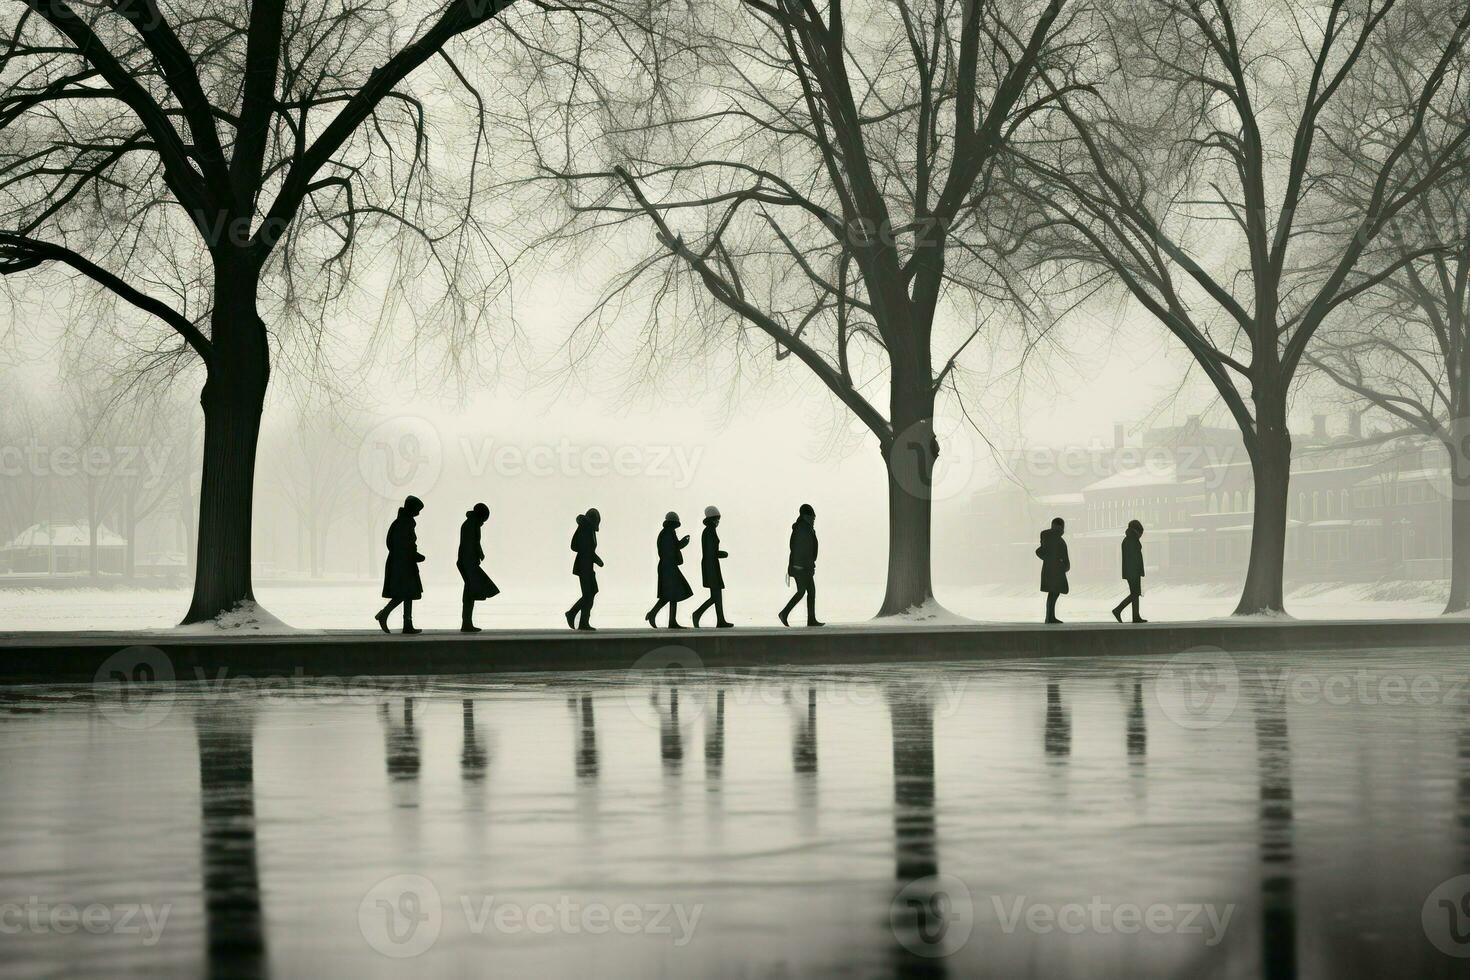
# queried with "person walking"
point(477, 585)
point(1132, 571)
point(584, 543)
point(401, 582)
point(709, 568)
point(673, 587)
point(1054, 566)
point(802, 565)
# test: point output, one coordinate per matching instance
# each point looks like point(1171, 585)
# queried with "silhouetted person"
point(802, 565)
point(1054, 566)
point(477, 584)
point(1132, 571)
point(584, 543)
point(673, 587)
point(709, 568)
point(401, 582)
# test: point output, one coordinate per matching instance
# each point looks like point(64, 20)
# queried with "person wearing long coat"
point(401, 582)
point(673, 587)
point(801, 565)
point(1132, 571)
point(477, 585)
point(709, 567)
point(584, 566)
point(1054, 566)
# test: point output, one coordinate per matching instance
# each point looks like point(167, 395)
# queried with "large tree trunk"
point(234, 395)
point(1459, 491)
point(910, 462)
point(1271, 467)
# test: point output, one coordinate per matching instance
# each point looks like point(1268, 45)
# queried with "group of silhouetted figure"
point(402, 583)
point(1055, 565)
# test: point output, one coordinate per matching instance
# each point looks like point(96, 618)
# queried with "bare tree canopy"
point(818, 180)
point(215, 166)
point(1404, 347)
point(1206, 170)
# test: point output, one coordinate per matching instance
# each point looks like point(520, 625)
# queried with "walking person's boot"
point(467, 624)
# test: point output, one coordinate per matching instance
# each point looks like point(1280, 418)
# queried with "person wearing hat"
point(477, 584)
point(584, 543)
point(401, 582)
point(802, 565)
point(709, 567)
point(1132, 571)
point(672, 585)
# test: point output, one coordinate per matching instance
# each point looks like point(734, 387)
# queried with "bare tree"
point(818, 178)
point(1406, 349)
point(1204, 176)
point(318, 467)
point(213, 165)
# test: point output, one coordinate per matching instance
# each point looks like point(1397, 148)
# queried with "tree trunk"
point(233, 397)
point(910, 463)
point(1459, 491)
point(1271, 468)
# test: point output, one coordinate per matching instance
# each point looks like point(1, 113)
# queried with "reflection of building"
point(1355, 511)
point(53, 548)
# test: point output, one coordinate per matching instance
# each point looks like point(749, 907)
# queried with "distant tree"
point(819, 180)
point(318, 471)
point(1205, 173)
point(216, 166)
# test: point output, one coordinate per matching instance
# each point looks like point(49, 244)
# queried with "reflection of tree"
point(234, 925)
point(920, 905)
point(1278, 897)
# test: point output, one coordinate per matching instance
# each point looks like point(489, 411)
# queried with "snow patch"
point(930, 613)
point(1264, 616)
point(246, 617)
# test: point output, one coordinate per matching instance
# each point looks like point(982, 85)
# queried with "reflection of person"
point(673, 587)
point(477, 584)
point(1054, 566)
point(584, 543)
point(709, 567)
point(802, 565)
point(401, 582)
point(1132, 571)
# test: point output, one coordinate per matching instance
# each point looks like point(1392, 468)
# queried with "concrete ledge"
point(77, 657)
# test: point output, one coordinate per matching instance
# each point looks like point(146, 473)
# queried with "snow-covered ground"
point(351, 606)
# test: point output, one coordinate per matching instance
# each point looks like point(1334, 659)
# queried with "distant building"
point(1355, 511)
point(61, 548)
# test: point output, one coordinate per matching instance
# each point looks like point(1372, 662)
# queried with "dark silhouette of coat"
point(401, 569)
point(1133, 561)
point(803, 560)
point(1054, 562)
point(584, 543)
point(477, 585)
point(672, 585)
point(709, 562)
